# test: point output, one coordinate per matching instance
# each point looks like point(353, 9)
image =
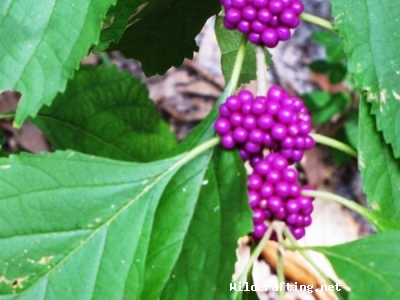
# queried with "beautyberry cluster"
point(279, 125)
point(274, 194)
point(265, 22)
point(277, 121)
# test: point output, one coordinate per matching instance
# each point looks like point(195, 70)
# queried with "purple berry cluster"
point(265, 22)
point(274, 194)
point(280, 124)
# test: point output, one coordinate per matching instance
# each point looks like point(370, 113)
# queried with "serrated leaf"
point(118, 17)
point(369, 265)
point(45, 41)
point(163, 33)
point(379, 169)
point(229, 41)
point(113, 221)
point(371, 31)
point(106, 113)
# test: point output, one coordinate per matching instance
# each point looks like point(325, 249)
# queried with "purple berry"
point(278, 132)
point(288, 143)
point(291, 219)
point(227, 141)
point(239, 3)
point(298, 232)
point(249, 122)
point(269, 37)
point(260, 3)
point(224, 111)
point(254, 199)
point(295, 190)
point(257, 26)
point(265, 121)
point(233, 103)
point(292, 206)
point(246, 96)
point(285, 116)
point(244, 26)
point(267, 190)
point(275, 93)
point(258, 216)
point(275, 204)
point(283, 33)
point(249, 13)
point(297, 155)
point(236, 119)
point(290, 175)
point(262, 167)
point(229, 25)
point(259, 230)
point(297, 7)
point(256, 136)
point(240, 134)
point(309, 143)
point(233, 15)
point(275, 6)
point(264, 15)
point(254, 182)
point(222, 126)
point(258, 107)
point(273, 107)
point(267, 140)
point(252, 147)
point(282, 189)
point(254, 38)
point(273, 176)
point(287, 17)
point(280, 214)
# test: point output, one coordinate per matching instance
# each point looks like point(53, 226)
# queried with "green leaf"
point(106, 113)
point(45, 41)
point(229, 41)
point(334, 45)
point(369, 265)
point(379, 169)
point(118, 18)
point(371, 31)
point(335, 71)
point(323, 106)
point(161, 35)
point(119, 222)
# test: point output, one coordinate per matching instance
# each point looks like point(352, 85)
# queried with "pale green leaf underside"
point(42, 43)
point(369, 265)
point(371, 32)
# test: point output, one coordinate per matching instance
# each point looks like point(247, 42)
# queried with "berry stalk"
point(324, 140)
point(362, 211)
point(261, 71)
point(237, 66)
point(317, 21)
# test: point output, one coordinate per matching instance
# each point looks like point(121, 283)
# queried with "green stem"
point(361, 210)
point(237, 68)
point(303, 253)
point(105, 58)
point(197, 151)
point(334, 144)
point(317, 21)
point(7, 115)
point(280, 268)
point(256, 253)
point(261, 71)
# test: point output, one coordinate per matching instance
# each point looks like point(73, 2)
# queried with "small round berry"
point(297, 155)
point(224, 111)
point(297, 7)
point(285, 115)
point(298, 232)
point(246, 96)
point(288, 143)
point(249, 122)
point(244, 26)
point(295, 190)
point(273, 176)
point(295, 23)
point(258, 107)
point(236, 119)
point(267, 215)
point(255, 159)
point(291, 218)
point(282, 189)
point(256, 135)
point(264, 15)
point(273, 107)
point(269, 37)
point(293, 130)
point(254, 182)
point(240, 134)
point(226, 3)
point(260, 3)
point(222, 126)
point(264, 205)
point(274, 22)
point(257, 26)
point(254, 38)
point(258, 216)
point(252, 147)
point(290, 175)
point(227, 141)
point(286, 3)
point(229, 25)
point(292, 206)
point(275, 6)
point(304, 202)
point(259, 230)
point(300, 142)
point(287, 17)
point(239, 3)
point(287, 153)
point(254, 199)
point(262, 167)
point(275, 93)
point(278, 132)
point(283, 33)
point(266, 190)
point(304, 128)
point(309, 143)
point(267, 140)
point(279, 163)
point(245, 156)
point(280, 214)
point(249, 13)
point(265, 121)
point(307, 220)
point(275, 204)
point(233, 103)
point(233, 15)
point(246, 108)
point(297, 105)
